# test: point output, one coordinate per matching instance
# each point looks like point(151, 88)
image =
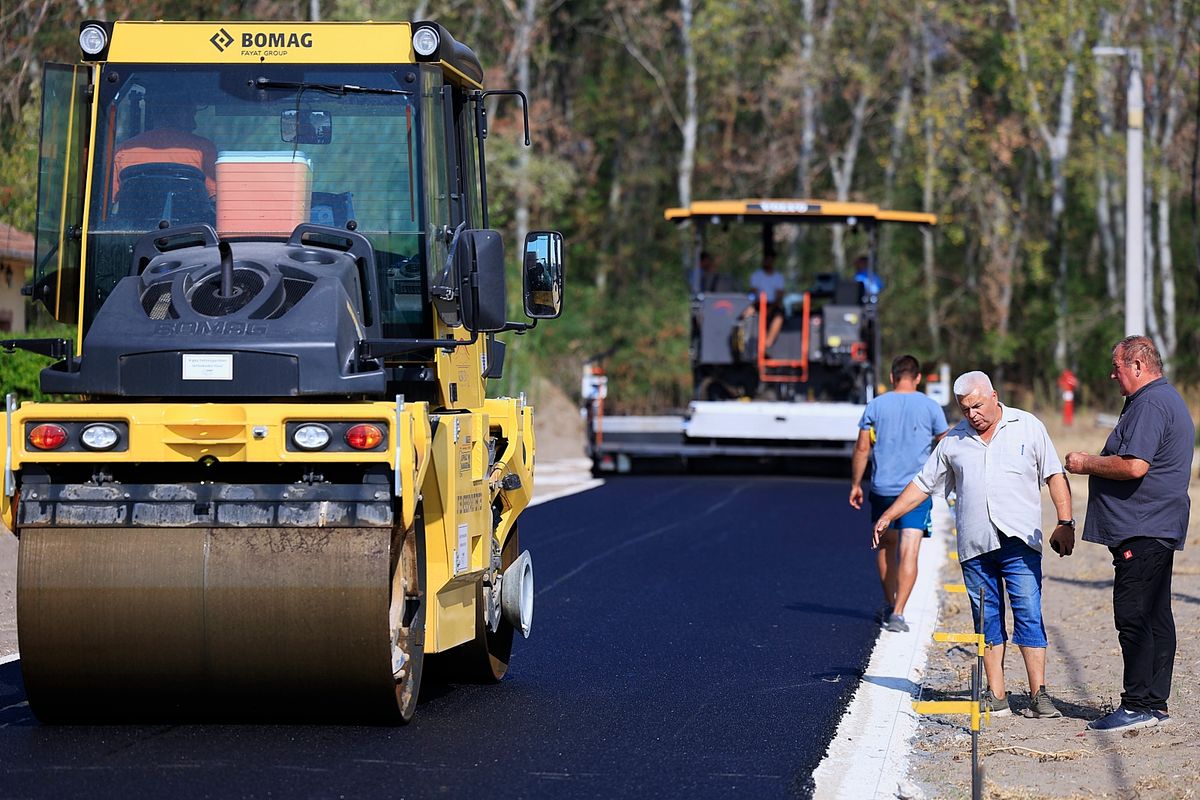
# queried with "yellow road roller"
point(273, 483)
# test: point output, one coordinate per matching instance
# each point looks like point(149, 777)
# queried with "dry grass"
point(1040, 755)
point(994, 792)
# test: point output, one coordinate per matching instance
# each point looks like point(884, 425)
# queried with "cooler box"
point(262, 193)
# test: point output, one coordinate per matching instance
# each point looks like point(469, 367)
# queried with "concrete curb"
point(869, 754)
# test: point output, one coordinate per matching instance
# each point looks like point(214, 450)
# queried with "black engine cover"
point(287, 324)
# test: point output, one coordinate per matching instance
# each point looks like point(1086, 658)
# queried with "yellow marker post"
point(973, 707)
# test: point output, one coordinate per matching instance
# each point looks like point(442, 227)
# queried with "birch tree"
point(1109, 233)
point(1057, 142)
point(932, 321)
point(842, 160)
point(1163, 106)
point(525, 19)
point(686, 120)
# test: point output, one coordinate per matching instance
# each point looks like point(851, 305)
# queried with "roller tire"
point(485, 658)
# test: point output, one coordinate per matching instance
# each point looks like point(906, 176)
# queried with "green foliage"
point(20, 370)
point(607, 93)
point(18, 170)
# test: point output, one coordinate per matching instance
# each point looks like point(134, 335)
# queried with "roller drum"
point(151, 621)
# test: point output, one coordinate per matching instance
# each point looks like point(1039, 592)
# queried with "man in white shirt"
point(769, 282)
point(996, 461)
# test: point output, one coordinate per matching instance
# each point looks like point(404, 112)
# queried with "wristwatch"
point(1070, 523)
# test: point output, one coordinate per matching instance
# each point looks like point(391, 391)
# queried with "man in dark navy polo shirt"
point(1138, 507)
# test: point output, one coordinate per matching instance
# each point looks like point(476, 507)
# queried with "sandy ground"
point(557, 427)
point(1036, 758)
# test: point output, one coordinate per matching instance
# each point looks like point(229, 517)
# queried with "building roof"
point(15, 245)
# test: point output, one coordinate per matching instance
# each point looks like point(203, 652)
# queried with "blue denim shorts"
point(1016, 570)
point(920, 518)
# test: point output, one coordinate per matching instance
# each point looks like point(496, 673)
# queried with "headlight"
point(311, 437)
point(99, 436)
point(426, 41)
point(93, 40)
point(364, 437)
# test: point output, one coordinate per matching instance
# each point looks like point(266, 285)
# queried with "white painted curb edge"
point(9, 659)
point(869, 754)
point(567, 492)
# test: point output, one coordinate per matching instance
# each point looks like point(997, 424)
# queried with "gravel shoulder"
point(1025, 758)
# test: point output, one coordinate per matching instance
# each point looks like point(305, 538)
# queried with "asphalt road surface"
point(693, 637)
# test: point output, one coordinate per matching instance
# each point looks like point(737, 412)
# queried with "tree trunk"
point(896, 151)
point(522, 45)
point(687, 151)
point(687, 120)
point(814, 42)
point(1166, 268)
point(932, 320)
point(900, 125)
point(1109, 237)
point(1057, 144)
point(1162, 136)
point(609, 233)
point(842, 163)
point(841, 168)
point(808, 101)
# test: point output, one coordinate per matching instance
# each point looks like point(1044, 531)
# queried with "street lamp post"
point(1135, 269)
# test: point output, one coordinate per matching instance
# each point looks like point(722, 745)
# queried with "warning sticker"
point(462, 554)
point(464, 456)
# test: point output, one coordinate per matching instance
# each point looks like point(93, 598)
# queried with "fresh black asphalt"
point(693, 637)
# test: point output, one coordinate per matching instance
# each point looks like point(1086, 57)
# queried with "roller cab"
point(270, 481)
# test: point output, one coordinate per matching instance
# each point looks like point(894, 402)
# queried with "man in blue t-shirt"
point(897, 431)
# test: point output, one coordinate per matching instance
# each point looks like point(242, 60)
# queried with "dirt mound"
point(556, 422)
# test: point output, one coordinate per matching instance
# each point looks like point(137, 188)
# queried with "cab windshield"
point(255, 151)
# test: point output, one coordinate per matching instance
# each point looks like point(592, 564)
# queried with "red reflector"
point(364, 437)
point(48, 437)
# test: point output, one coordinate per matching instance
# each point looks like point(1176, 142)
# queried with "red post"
point(1067, 383)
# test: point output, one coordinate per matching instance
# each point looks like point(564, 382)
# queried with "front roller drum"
point(297, 622)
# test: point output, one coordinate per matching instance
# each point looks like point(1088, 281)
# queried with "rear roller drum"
point(222, 622)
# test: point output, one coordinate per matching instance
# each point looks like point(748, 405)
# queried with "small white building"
point(16, 257)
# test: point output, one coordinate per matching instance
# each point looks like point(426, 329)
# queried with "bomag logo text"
point(274, 43)
point(209, 329)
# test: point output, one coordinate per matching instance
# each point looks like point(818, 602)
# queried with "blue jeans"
point(1016, 570)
